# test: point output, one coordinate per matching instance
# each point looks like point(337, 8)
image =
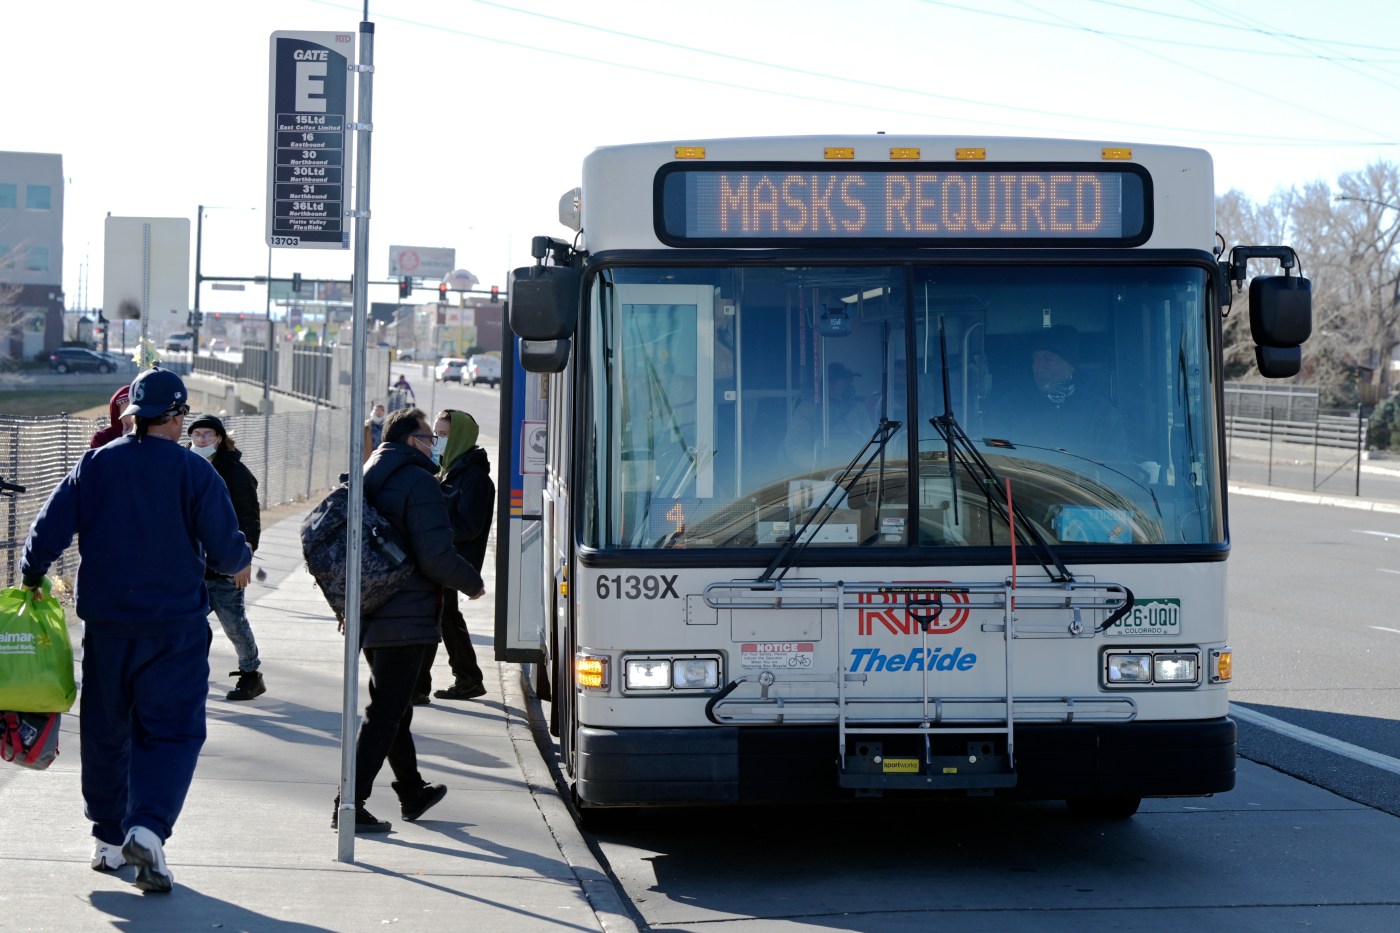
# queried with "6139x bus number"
point(632, 586)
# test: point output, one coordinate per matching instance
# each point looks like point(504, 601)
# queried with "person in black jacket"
point(210, 440)
point(400, 484)
point(471, 498)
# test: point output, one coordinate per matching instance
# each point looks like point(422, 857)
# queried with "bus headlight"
point(1129, 668)
point(697, 673)
point(656, 673)
point(1176, 668)
point(647, 674)
point(1153, 668)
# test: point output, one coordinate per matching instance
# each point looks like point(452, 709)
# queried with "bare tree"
point(1347, 248)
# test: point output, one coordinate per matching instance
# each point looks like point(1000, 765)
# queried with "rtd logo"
point(912, 608)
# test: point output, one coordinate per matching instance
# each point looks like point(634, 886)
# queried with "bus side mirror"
point(544, 304)
point(544, 356)
point(1280, 320)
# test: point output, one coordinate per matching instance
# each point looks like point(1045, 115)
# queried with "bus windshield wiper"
point(962, 452)
point(797, 541)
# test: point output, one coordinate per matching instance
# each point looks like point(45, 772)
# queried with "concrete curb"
point(534, 749)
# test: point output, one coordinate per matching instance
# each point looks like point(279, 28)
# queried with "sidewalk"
point(254, 850)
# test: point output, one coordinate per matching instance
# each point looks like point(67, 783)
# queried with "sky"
point(483, 111)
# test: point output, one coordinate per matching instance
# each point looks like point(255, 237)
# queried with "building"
point(31, 254)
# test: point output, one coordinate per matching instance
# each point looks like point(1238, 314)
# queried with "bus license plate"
point(1150, 617)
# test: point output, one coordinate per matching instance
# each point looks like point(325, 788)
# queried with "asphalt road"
point(1314, 592)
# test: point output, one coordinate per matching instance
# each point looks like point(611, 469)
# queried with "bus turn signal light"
point(591, 672)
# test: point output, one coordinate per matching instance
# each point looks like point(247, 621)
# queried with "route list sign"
point(308, 140)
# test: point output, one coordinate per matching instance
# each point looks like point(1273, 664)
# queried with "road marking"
point(1382, 628)
point(1378, 534)
point(1337, 746)
point(1387, 570)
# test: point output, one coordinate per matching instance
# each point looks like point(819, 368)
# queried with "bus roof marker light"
point(969, 153)
point(839, 152)
point(1117, 153)
point(905, 152)
point(690, 152)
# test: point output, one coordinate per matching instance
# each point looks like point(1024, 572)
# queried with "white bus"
point(880, 465)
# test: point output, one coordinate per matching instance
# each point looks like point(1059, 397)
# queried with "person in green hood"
point(465, 476)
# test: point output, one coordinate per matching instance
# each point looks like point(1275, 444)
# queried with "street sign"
point(147, 264)
point(308, 140)
point(227, 286)
point(421, 262)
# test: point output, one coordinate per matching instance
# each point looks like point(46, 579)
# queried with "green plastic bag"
point(36, 657)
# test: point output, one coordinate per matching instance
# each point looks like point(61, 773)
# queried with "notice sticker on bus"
point(777, 655)
point(1150, 617)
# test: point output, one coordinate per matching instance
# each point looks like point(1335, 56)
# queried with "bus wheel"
point(1103, 808)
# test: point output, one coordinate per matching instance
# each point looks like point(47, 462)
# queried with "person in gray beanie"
point(210, 440)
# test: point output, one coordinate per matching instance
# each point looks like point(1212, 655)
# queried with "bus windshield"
point(725, 404)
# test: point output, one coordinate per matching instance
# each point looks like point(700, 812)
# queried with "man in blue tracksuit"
point(149, 516)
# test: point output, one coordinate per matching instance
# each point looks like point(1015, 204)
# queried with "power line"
point(1194, 132)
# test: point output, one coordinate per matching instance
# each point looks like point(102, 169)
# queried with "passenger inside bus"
point(829, 428)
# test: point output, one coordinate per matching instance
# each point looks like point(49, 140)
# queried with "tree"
point(1347, 248)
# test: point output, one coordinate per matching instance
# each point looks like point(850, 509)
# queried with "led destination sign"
point(770, 204)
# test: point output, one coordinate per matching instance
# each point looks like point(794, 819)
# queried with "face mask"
point(1057, 392)
point(439, 448)
point(377, 419)
point(206, 452)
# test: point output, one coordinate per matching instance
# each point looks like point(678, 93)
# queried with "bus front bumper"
point(736, 765)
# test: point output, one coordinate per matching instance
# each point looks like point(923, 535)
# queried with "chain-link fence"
point(293, 455)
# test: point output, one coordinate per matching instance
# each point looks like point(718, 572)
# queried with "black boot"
point(250, 684)
point(415, 802)
point(364, 820)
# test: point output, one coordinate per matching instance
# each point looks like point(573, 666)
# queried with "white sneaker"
point(106, 857)
point(144, 850)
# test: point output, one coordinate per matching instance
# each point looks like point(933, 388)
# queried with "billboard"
point(146, 269)
point(421, 262)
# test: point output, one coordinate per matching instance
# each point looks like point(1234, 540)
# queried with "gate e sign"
point(308, 140)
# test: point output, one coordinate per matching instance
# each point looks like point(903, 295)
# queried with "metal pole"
point(198, 278)
point(1359, 429)
point(1271, 445)
point(1317, 423)
point(267, 387)
point(345, 849)
point(143, 348)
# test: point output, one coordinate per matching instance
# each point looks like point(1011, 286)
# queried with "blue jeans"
point(226, 600)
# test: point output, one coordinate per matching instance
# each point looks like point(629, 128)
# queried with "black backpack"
point(384, 563)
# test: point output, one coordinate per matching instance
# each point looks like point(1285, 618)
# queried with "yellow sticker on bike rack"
point(901, 766)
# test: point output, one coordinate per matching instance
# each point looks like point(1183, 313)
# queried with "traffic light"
point(405, 286)
point(296, 281)
point(495, 294)
point(442, 292)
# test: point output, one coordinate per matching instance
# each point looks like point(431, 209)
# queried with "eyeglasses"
point(179, 411)
point(422, 437)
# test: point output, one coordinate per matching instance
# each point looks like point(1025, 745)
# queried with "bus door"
point(522, 595)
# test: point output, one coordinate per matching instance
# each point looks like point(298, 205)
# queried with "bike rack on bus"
point(936, 715)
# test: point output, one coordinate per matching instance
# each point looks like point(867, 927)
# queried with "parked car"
point(180, 342)
point(405, 355)
point(79, 360)
point(218, 345)
point(483, 369)
point(449, 369)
